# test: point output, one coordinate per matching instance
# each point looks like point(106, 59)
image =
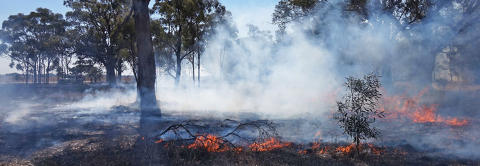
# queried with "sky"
point(244, 12)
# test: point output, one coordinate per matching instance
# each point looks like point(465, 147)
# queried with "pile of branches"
point(229, 133)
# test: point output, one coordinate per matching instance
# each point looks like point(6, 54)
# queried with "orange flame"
point(376, 151)
point(410, 108)
point(346, 149)
point(456, 122)
point(399, 151)
point(210, 143)
point(269, 145)
point(316, 147)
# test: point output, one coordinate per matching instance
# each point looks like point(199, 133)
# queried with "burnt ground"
point(39, 126)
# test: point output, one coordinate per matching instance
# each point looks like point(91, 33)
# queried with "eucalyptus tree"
point(357, 110)
point(16, 37)
point(100, 23)
point(184, 22)
point(30, 39)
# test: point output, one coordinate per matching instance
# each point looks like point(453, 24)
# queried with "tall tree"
point(31, 37)
point(183, 22)
point(100, 22)
point(146, 61)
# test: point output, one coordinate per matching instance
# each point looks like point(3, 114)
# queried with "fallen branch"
point(207, 134)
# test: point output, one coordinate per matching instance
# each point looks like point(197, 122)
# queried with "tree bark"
point(119, 71)
point(47, 79)
point(193, 69)
point(110, 66)
point(150, 113)
point(35, 73)
point(146, 61)
point(39, 72)
point(198, 69)
point(26, 75)
point(178, 54)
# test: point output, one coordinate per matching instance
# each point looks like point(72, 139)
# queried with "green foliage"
point(182, 30)
point(98, 26)
point(32, 39)
point(357, 110)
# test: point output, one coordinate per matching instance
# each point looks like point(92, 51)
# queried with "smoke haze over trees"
point(188, 59)
point(317, 43)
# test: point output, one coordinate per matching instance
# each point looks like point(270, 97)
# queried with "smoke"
point(252, 79)
point(298, 78)
point(97, 101)
point(20, 113)
point(302, 76)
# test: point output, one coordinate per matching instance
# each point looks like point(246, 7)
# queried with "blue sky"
point(256, 12)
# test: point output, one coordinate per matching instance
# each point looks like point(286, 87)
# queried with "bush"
point(357, 110)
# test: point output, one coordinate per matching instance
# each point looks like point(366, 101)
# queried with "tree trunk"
point(150, 113)
point(193, 69)
point(47, 80)
point(177, 71)
point(146, 62)
point(357, 139)
point(35, 72)
point(39, 72)
point(119, 71)
point(178, 54)
point(26, 75)
point(111, 74)
point(198, 69)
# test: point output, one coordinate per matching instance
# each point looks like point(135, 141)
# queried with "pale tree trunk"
point(26, 75)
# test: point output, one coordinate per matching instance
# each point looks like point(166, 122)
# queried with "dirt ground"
point(45, 125)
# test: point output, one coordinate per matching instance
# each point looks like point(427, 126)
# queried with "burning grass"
point(400, 107)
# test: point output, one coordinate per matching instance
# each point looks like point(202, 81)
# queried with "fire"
point(269, 145)
point(376, 151)
point(213, 143)
point(399, 151)
point(210, 143)
point(400, 107)
point(425, 114)
point(346, 150)
point(456, 122)
point(316, 147)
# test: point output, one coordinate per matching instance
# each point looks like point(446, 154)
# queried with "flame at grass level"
point(346, 150)
point(270, 144)
point(317, 148)
point(213, 143)
point(400, 107)
point(210, 143)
